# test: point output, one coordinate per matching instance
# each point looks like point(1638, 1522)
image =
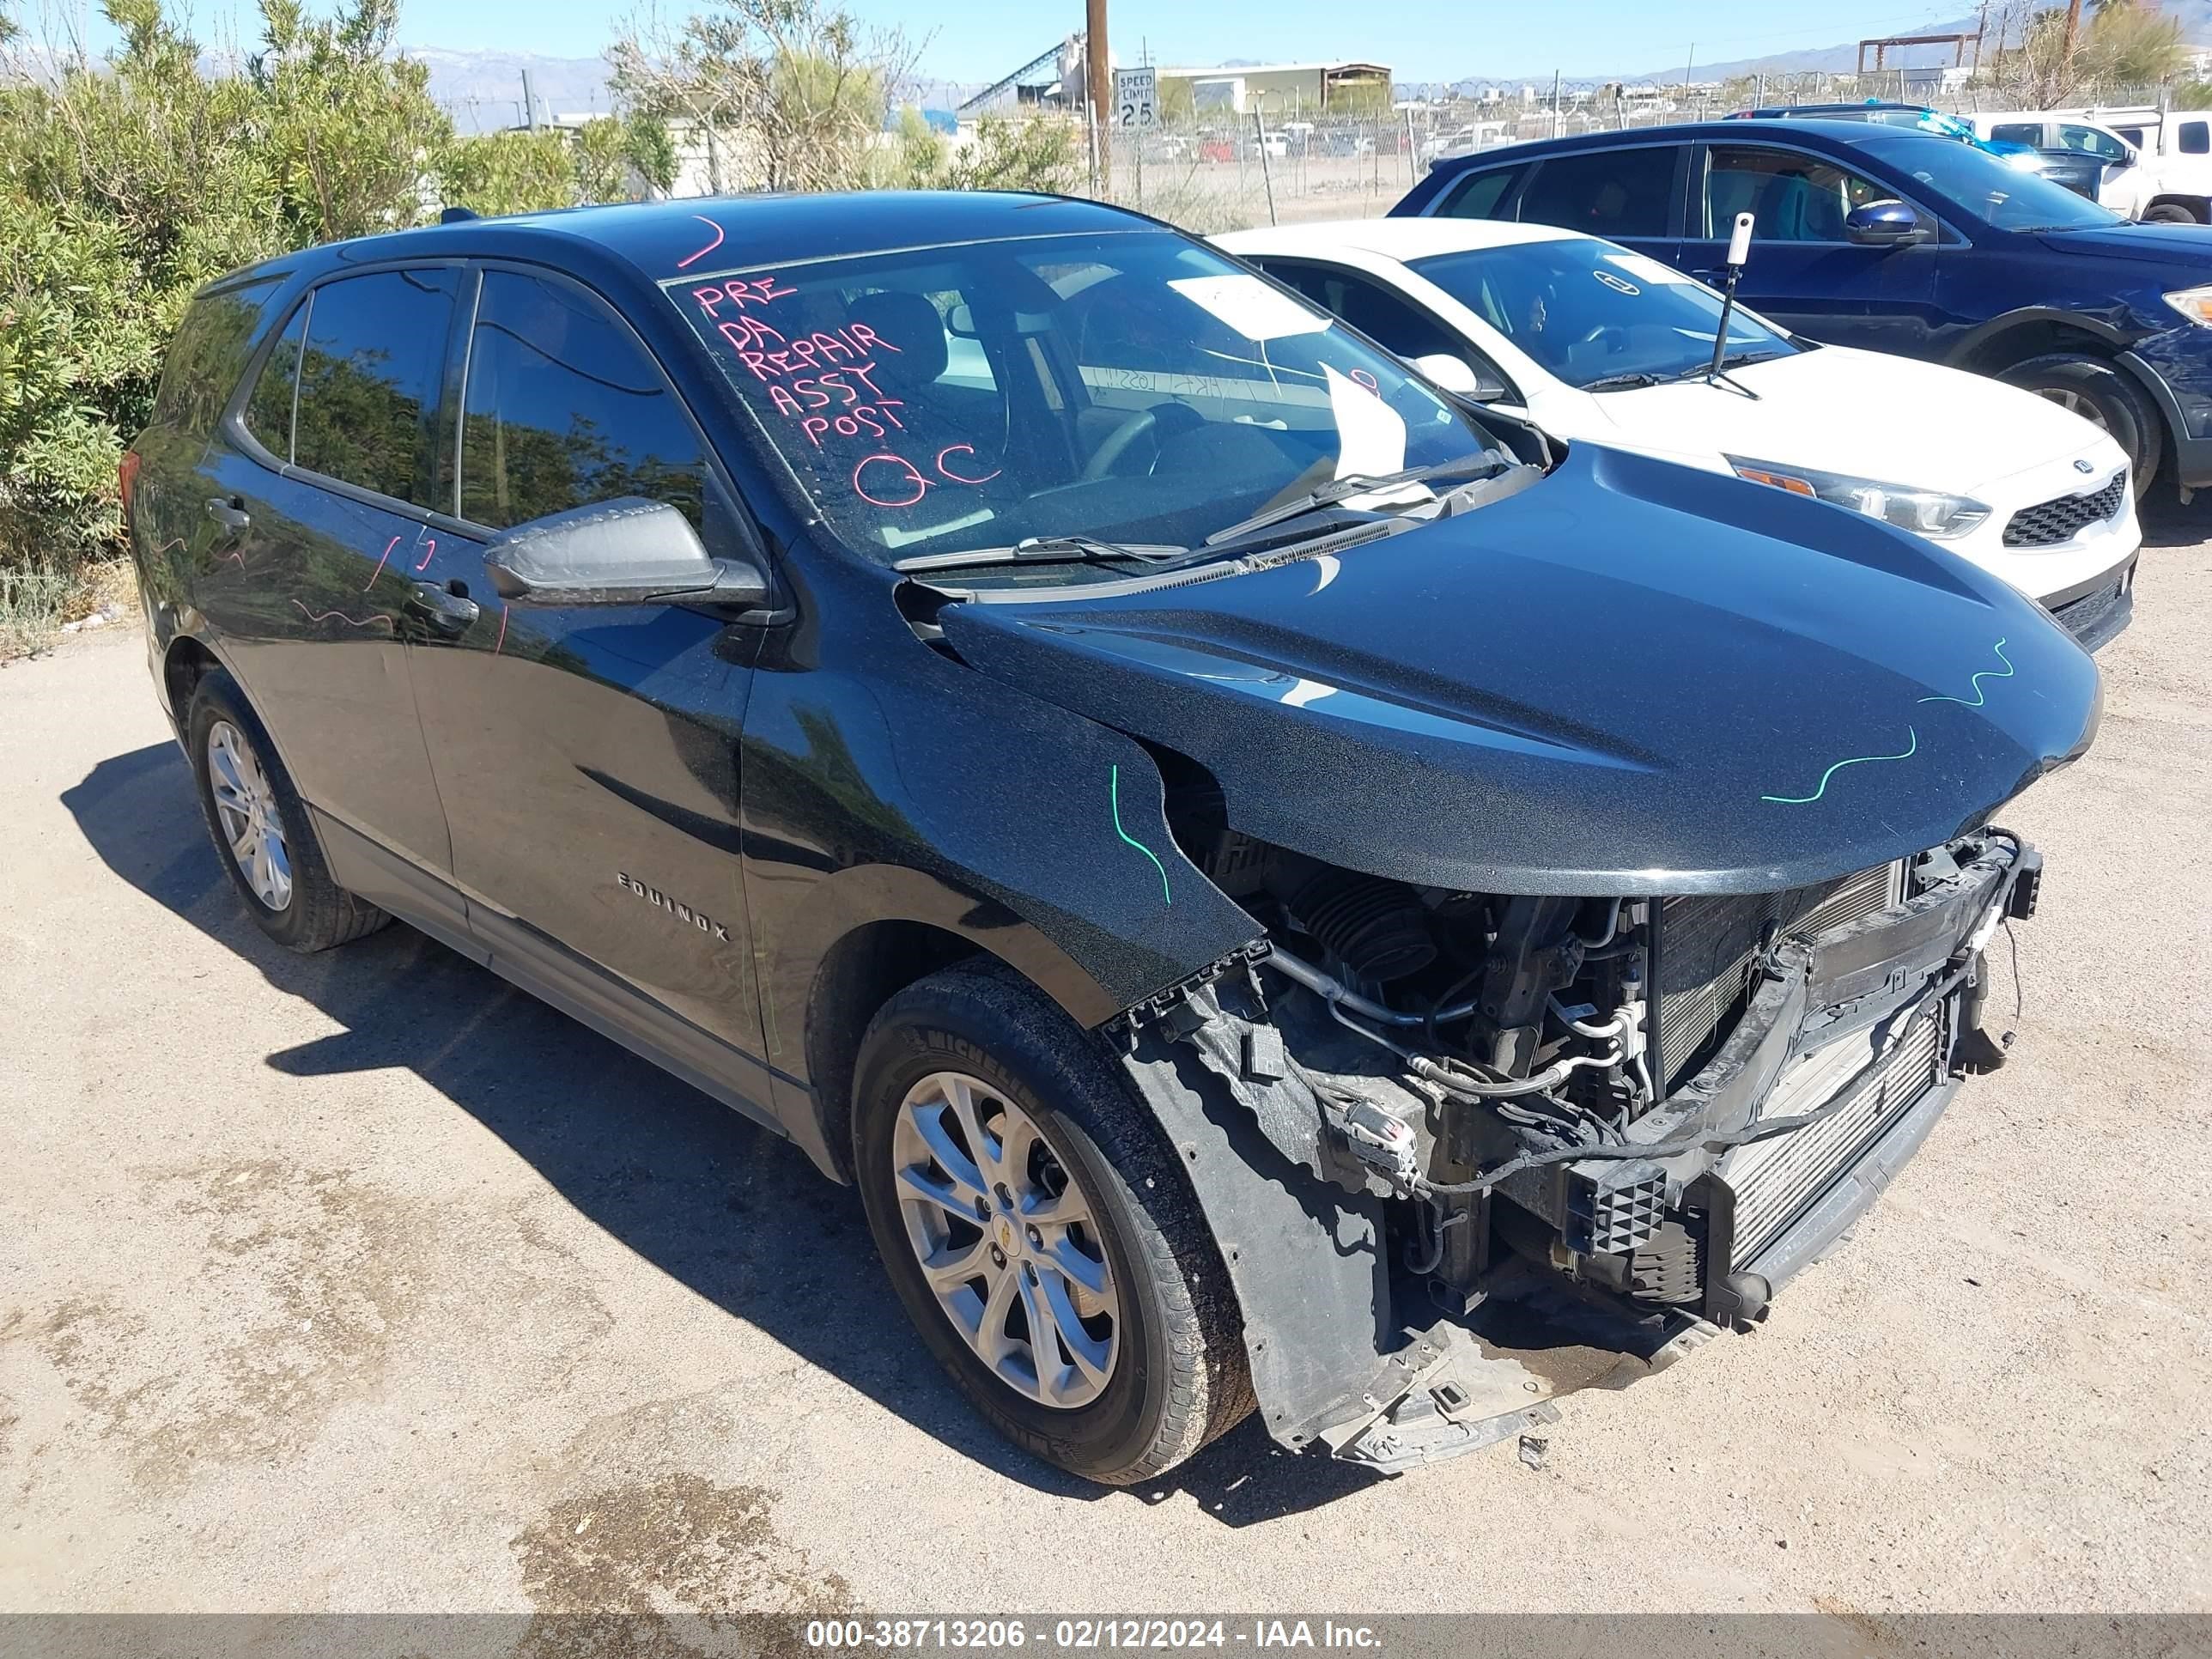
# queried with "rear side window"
point(1479, 197)
point(1613, 193)
point(208, 355)
point(2195, 138)
point(269, 411)
point(2018, 132)
point(369, 373)
point(564, 407)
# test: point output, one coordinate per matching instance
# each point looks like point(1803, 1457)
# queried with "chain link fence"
point(1220, 171)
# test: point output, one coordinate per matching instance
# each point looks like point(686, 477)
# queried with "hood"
point(1873, 416)
point(1632, 678)
point(2186, 248)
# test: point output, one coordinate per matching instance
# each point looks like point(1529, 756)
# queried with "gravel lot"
point(362, 1281)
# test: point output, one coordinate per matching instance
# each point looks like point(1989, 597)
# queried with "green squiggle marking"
point(1801, 801)
point(1974, 683)
point(1114, 793)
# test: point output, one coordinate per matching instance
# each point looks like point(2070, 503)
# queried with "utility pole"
point(1689, 69)
point(529, 104)
point(1555, 103)
point(1101, 89)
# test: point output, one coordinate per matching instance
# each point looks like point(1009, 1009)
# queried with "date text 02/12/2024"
point(1088, 1635)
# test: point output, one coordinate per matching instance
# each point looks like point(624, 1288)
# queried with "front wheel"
point(1039, 1231)
point(2169, 213)
point(2106, 396)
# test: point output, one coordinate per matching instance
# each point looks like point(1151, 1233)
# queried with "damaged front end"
point(1651, 1112)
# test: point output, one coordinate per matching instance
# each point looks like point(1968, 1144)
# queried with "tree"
point(782, 95)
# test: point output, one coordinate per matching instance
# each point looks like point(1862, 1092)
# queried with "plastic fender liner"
point(1304, 1256)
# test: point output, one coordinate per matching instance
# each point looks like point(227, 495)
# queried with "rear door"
point(1631, 195)
point(1803, 272)
point(587, 756)
point(315, 493)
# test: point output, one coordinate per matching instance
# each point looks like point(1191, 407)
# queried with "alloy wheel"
point(247, 808)
point(2074, 403)
point(1006, 1240)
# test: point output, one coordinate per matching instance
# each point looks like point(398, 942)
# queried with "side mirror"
point(1883, 224)
point(627, 552)
point(1456, 375)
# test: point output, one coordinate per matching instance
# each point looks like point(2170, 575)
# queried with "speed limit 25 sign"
point(1136, 97)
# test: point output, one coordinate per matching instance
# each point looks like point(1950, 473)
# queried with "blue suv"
point(1897, 241)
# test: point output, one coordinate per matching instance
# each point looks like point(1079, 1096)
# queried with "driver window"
point(2088, 140)
point(564, 408)
point(1792, 197)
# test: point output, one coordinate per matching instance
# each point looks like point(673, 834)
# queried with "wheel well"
point(2022, 341)
point(181, 671)
point(862, 971)
point(2196, 206)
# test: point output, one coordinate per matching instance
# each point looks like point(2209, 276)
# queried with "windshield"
point(1998, 194)
point(1588, 311)
point(1127, 387)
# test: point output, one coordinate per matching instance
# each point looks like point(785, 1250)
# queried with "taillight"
point(126, 475)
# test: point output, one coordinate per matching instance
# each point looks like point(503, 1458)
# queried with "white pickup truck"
point(2158, 166)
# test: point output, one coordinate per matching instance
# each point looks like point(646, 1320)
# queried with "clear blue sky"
point(1421, 40)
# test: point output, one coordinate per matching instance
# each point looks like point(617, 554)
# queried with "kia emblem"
point(2083, 467)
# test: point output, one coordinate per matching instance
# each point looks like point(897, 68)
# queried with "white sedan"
point(1595, 342)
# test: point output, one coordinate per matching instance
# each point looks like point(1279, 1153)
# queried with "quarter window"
point(1614, 193)
point(210, 353)
point(1792, 197)
point(369, 373)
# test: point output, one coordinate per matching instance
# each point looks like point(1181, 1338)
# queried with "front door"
point(587, 756)
point(313, 494)
point(1804, 272)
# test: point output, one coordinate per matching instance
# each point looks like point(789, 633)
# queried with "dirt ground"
point(363, 1282)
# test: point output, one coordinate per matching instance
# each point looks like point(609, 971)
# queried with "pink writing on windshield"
point(754, 291)
point(968, 449)
point(908, 477)
point(908, 481)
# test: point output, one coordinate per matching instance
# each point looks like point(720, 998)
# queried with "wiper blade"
point(1043, 550)
point(1621, 382)
point(1357, 483)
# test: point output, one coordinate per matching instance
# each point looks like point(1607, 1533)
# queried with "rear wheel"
point(2106, 397)
point(260, 826)
point(1038, 1230)
point(2169, 213)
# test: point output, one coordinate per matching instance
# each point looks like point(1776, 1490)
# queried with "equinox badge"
point(704, 923)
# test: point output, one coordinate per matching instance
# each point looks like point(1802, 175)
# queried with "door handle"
point(447, 612)
point(230, 514)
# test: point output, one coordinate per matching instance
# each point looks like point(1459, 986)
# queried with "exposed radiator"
point(1775, 1180)
point(1706, 946)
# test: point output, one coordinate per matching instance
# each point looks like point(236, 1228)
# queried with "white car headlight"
point(2194, 303)
point(1930, 512)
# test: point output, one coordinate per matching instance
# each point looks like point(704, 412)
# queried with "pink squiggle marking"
point(501, 640)
point(378, 571)
point(358, 621)
point(710, 247)
point(430, 547)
